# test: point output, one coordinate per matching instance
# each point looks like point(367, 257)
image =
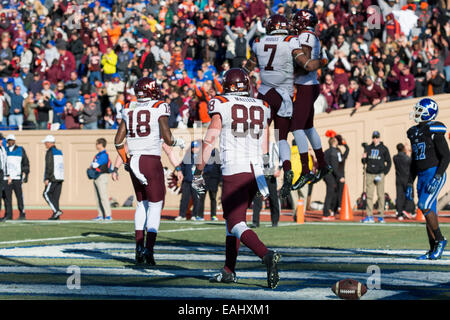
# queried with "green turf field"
point(35, 256)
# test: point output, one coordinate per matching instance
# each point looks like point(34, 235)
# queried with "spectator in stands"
point(90, 111)
point(344, 99)
point(434, 81)
point(109, 62)
point(72, 88)
point(406, 84)
point(43, 109)
point(58, 105)
point(328, 89)
point(16, 107)
point(70, 116)
point(370, 93)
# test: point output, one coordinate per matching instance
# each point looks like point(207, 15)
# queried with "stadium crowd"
point(64, 64)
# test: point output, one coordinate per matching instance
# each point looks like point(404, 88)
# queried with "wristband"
point(306, 63)
point(178, 168)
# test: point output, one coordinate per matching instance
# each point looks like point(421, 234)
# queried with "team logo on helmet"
point(277, 24)
point(146, 88)
point(236, 81)
point(425, 110)
point(304, 19)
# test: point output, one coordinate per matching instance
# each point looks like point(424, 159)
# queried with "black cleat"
point(139, 254)
point(322, 172)
point(22, 217)
point(5, 219)
point(270, 260)
point(149, 259)
point(287, 184)
point(224, 277)
point(302, 180)
point(55, 216)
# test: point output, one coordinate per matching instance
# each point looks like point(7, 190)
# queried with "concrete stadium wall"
point(391, 119)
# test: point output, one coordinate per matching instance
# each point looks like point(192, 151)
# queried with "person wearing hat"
point(53, 176)
point(377, 161)
point(17, 171)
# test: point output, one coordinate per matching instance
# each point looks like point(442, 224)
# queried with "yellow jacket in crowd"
point(296, 163)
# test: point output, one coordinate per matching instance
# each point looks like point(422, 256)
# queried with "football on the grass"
point(349, 289)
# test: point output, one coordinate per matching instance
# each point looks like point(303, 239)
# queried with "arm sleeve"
point(347, 150)
point(388, 161)
point(25, 163)
point(49, 174)
point(441, 146)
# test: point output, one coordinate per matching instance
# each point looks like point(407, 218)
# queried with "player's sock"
point(438, 235)
point(251, 240)
point(285, 154)
point(431, 240)
point(139, 235)
point(150, 241)
point(304, 159)
point(231, 253)
point(320, 158)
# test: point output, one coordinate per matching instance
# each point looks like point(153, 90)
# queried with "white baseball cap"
point(49, 138)
point(11, 137)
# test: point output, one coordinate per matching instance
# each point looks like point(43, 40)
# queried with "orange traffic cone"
point(419, 215)
point(300, 211)
point(346, 213)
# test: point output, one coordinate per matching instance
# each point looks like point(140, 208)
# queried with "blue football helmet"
point(425, 110)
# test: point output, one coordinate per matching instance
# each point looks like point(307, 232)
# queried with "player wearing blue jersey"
point(430, 159)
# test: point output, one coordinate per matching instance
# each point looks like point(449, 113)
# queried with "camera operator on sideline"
point(377, 159)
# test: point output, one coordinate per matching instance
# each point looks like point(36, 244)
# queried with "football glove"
point(179, 143)
point(409, 192)
point(198, 183)
point(433, 185)
point(126, 166)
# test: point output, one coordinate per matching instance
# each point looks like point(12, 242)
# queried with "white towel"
point(261, 180)
point(134, 165)
point(287, 105)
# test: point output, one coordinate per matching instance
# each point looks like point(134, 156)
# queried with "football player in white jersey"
point(145, 122)
point(276, 55)
point(307, 90)
point(241, 123)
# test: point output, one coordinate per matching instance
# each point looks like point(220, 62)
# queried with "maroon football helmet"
point(304, 19)
point(236, 81)
point(277, 24)
point(146, 88)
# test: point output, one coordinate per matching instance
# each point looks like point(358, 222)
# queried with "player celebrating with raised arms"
point(307, 90)
point(430, 159)
point(240, 121)
point(277, 54)
point(145, 122)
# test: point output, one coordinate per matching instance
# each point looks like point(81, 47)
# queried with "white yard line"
point(183, 292)
point(97, 235)
point(394, 278)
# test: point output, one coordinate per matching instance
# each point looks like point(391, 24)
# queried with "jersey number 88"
point(243, 118)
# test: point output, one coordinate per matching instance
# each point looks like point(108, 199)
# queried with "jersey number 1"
point(142, 123)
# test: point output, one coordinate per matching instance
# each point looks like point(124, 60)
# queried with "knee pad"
point(154, 216)
point(238, 229)
point(140, 216)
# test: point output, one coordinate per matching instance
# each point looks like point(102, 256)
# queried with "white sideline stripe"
point(97, 235)
point(119, 249)
point(184, 292)
point(400, 278)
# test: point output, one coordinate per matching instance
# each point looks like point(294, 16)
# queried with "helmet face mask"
point(425, 110)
